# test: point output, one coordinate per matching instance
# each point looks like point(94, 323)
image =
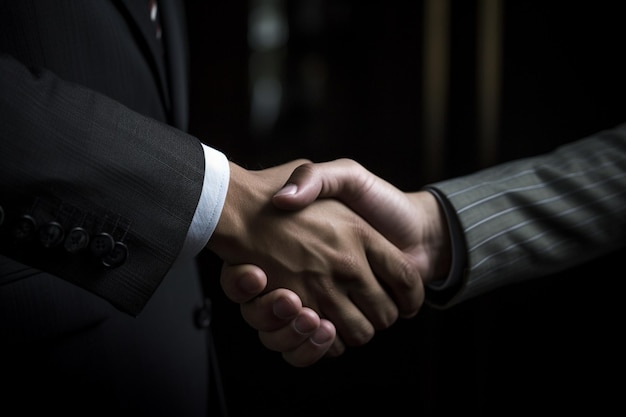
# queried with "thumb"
point(344, 179)
point(242, 283)
point(301, 189)
point(384, 206)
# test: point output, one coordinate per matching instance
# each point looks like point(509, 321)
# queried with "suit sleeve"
point(91, 191)
point(537, 216)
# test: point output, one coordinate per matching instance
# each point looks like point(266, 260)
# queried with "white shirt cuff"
point(212, 197)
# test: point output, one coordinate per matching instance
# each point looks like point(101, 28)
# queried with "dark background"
point(552, 346)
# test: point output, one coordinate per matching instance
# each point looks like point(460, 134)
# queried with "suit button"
point(102, 244)
point(25, 227)
point(77, 239)
point(116, 257)
point(202, 316)
point(51, 234)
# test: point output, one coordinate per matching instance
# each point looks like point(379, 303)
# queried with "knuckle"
point(303, 161)
point(336, 350)
point(410, 288)
point(351, 266)
point(387, 318)
point(408, 276)
point(360, 335)
point(350, 163)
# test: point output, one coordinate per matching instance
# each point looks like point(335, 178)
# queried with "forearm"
point(74, 156)
point(536, 216)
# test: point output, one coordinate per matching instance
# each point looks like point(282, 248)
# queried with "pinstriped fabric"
point(536, 216)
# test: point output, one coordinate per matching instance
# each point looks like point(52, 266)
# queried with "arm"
point(110, 170)
point(537, 216)
point(559, 209)
point(414, 222)
point(71, 155)
point(323, 253)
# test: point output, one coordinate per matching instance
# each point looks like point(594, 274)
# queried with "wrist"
point(231, 224)
point(437, 242)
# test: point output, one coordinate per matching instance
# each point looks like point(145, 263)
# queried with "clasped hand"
point(313, 274)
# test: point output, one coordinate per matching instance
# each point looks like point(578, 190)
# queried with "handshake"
point(321, 256)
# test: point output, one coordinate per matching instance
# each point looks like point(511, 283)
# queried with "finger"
point(337, 348)
point(301, 189)
point(375, 303)
point(398, 273)
point(366, 298)
point(271, 311)
point(352, 326)
point(343, 178)
point(241, 283)
point(380, 286)
point(293, 334)
point(315, 347)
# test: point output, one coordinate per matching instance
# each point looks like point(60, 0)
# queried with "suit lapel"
point(176, 53)
point(138, 15)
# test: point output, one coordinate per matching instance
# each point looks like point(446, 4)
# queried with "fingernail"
point(289, 189)
point(321, 336)
point(303, 326)
point(284, 309)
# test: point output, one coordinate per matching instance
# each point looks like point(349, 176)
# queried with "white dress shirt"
point(210, 205)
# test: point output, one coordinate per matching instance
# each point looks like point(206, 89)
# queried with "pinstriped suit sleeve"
point(537, 216)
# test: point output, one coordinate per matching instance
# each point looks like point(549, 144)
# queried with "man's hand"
point(284, 325)
point(414, 222)
point(337, 264)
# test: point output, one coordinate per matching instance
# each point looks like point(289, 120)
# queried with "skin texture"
point(414, 222)
point(340, 267)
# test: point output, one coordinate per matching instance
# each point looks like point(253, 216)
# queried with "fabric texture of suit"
point(93, 116)
point(540, 215)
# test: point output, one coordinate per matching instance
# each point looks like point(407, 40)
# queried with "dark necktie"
point(154, 17)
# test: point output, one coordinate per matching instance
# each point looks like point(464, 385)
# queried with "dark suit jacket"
point(93, 112)
point(85, 95)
